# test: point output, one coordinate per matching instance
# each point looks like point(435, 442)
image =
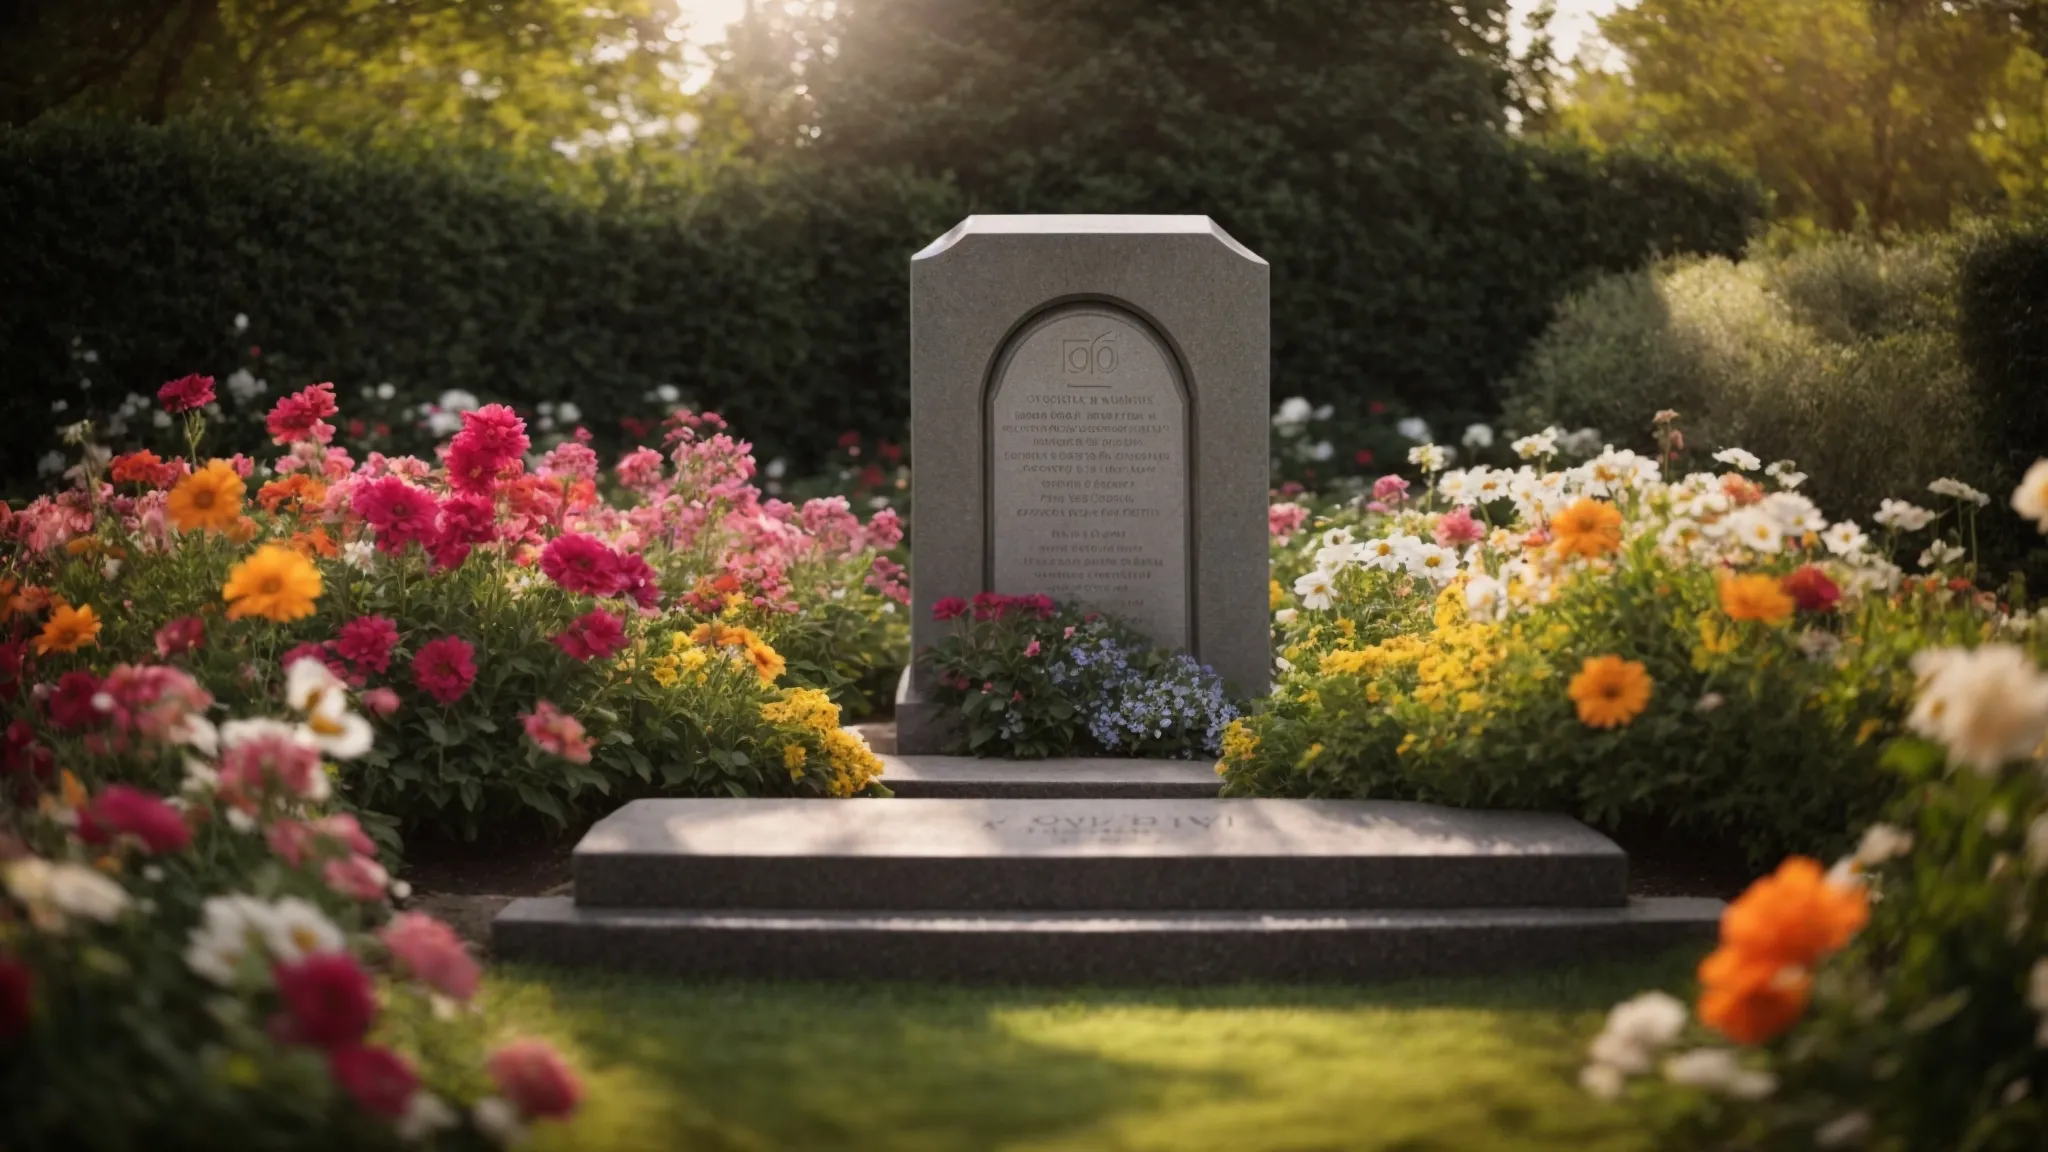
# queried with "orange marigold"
point(68, 630)
point(316, 543)
point(1750, 999)
point(1610, 691)
point(275, 583)
point(1755, 597)
point(209, 499)
point(1587, 528)
point(298, 489)
point(1794, 915)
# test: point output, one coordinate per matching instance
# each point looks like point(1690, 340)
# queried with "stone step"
point(1090, 855)
point(1093, 948)
point(971, 778)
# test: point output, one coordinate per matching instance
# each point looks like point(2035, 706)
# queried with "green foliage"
point(778, 302)
point(1878, 366)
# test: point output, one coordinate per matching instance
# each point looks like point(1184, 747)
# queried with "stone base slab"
point(1088, 948)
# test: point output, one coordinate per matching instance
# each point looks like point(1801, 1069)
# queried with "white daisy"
point(1738, 458)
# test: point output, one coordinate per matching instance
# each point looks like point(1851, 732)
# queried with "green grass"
point(1430, 1065)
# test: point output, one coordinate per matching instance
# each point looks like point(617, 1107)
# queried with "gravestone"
point(1089, 407)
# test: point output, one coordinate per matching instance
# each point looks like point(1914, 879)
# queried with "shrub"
point(1033, 679)
point(1693, 651)
point(228, 960)
point(535, 648)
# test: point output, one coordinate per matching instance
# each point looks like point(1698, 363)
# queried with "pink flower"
point(345, 830)
point(181, 635)
point(356, 877)
point(581, 563)
point(490, 446)
point(380, 701)
point(638, 580)
point(1390, 490)
point(292, 840)
point(272, 759)
point(595, 635)
point(400, 513)
point(432, 953)
point(367, 641)
point(1285, 519)
point(185, 393)
point(1031, 650)
point(639, 470)
point(465, 521)
point(569, 461)
point(445, 668)
point(557, 733)
point(125, 811)
point(151, 701)
point(951, 608)
point(1458, 527)
point(890, 579)
point(377, 1079)
point(533, 1077)
point(885, 530)
point(299, 416)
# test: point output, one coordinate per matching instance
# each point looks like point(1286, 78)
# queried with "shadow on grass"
point(1425, 1066)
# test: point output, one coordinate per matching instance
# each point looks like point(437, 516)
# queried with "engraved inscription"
point(1088, 494)
point(1107, 829)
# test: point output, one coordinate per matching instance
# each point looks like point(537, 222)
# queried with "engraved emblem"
point(1095, 357)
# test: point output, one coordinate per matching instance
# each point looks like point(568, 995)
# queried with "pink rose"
point(432, 953)
point(356, 877)
point(533, 1077)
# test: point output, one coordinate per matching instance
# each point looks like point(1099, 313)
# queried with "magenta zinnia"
point(595, 635)
point(444, 668)
point(581, 563)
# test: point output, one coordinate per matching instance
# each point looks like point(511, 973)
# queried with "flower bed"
point(1699, 647)
point(664, 628)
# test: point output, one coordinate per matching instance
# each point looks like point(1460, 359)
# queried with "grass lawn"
point(1450, 1065)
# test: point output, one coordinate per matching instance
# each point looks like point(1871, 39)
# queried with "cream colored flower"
point(1315, 589)
point(1882, 842)
point(1844, 538)
point(1718, 1070)
point(1903, 516)
point(1948, 486)
point(1988, 706)
point(1738, 458)
point(2030, 499)
point(294, 929)
point(230, 928)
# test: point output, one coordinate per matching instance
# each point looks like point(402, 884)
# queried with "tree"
point(1853, 113)
point(519, 76)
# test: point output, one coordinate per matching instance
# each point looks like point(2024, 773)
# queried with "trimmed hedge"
point(774, 295)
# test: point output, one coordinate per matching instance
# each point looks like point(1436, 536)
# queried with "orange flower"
point(1749, 999)
point(768, 664)
point(1588, 528)
point(243, 530)
point(275, 583)
point(68, 630)
point(209, 499)
point(298, 489)
point(316, 543)
point(1794, 915)
point(29, 601)
point(1610, 691)
point(1755, 597)
point(82, 546)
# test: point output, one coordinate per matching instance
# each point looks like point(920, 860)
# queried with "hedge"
point(775, 295)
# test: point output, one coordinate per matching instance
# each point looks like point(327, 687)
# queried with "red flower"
point(367, 641)
point(534, 1079)
point(989, 605)
point(400, 513)
point(379, 1079)
point(144, 468)
point(181, 635)
point(951, 608)
point(444, 668)
point(637, 580)
point(17, 985)
point(595, 635)
point(581, 563)
point(125, 811)
point(490, 445)
point(328, 998)
point(465, 522)
point(71, 703)
point(185, 393)
point(1811, 590)
point(298, 416)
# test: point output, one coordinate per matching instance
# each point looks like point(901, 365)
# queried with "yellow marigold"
point(1275, 595)
point(68, 630)
point(1755, 597)
point(1239, 742)
point(805, 708)
point(793, 757)
point(209, 499)
point(276, 583)
point(854, 767)
point(1347, 662)
point(1610, 692)
point(1587, 528)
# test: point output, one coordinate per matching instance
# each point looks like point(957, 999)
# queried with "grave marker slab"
point(1089, 409)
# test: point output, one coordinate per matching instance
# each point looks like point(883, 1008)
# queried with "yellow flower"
point(768, 665)
point(804, 707)
point(1588, 528)
point(1275, 595)
point(210, 498)
point(1610, 691)
point(276, 583)
point(793, 757)
point(68, 630)
point(1239, 742)
point(1755, 597)
point(853, 765)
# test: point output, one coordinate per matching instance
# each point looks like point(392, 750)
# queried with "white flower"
point(1337, 537)
point(1542, 443)
point(1413, 428)
point(1844, 1130)
point(86, 893)
point(1485, 485)
point(425, 1116)
point(458, 400)
point(568, 413)
point(244, 386)
point(1322, 450)
point(667, 394)
point(386, 391)
point(1453, 485)
point(1844, 538)
point(1434, 563)
point(359, 554)
point(1428, 457)
point(1336, 557)
point(1882, 842)
point(1292, 413)
point(1653, 1019)
point(1584, 442)
point(2037, 844)
point(1988, 706)
point(1739, 458)
point(1282, 664)
point(1284, 617)
point(444, 422)
point(1757, 530)
point(1947, 486)
point(1709, 701)
point(1786, 475)
point(1718, 1070)
point(1315, 589)
point(1940, 554)
point(294, 929)
point(310, 681)
point(2030, 499)
point(50, 463)
point(776, 468)
point(499, 1120)
point(1478, 436)
point(1615, 471)
point(1602, 1080)
point(1484, 597)
point(229, 928)
point(241, 321)
point(1903, 516)
point(1794, 513)
point(1388, 553)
